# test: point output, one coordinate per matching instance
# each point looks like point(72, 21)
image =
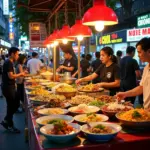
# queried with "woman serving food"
point(108, 72)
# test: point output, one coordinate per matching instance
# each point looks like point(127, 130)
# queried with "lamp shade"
point(78, 29)
point(54, 36)
point(64, 33)
point(99, 13)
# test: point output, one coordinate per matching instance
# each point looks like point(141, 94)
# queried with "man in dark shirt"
point(129, 71)
point(85, 65)
point(95, 64)
point(9, 90)
point(69, 65)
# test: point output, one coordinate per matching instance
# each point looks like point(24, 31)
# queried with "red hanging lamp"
point(99, 15)
point(79, 30)
point(64, 33)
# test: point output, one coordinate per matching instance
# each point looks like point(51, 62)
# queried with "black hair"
point(3, 57)
point(21, 59)
point(12, 50)
point(130, 49)
point(119, 53)
point(88, 56)
point(109, 51)
point(83, 55)
point(34, 54)
point(144, 43)
point(97, 54)
point(42, 60)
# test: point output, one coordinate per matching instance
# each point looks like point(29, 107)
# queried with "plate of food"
point(52, 111)
point(135, 118)
point(97, 103)
point(52, 119)
point(106, 98)
point(81, 99)
point(91, 117)
point(100, 131)
point(90, 88)
point(83, 109)
point(60, 132)
point(111, 109)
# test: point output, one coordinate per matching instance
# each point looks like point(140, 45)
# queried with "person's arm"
point(20, 68)
point(138, 74)
point(67, 68)
point(11, 75)
point(114, 84)
point(134, 92)
point(88, 78)
point(137, 69)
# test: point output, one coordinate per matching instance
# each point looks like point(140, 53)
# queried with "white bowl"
point(101, 137)
point(78, 117)
point(94, 109)
point(60, 138)
point(45, 111)
point(66, 118)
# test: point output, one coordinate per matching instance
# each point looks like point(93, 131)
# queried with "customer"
point(108, 72)
point(119, 55)
point(95, 64)
point(86, 66)
point(130, 72)
point(34, 65)
point(143, 49)
point(9, 89)
point(20, 80)
point(2, 60)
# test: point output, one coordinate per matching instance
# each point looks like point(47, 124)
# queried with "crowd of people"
point(116, 73)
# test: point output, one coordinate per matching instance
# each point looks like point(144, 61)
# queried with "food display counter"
point(125, 139)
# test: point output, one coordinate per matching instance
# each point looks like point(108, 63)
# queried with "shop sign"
point(137, 34)
point(37, 34)
point(4, 43)
point(116, 37)
point(6, 7)
point(143, 21)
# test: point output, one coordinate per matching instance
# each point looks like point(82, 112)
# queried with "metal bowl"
point(133, 124)
point(68, 80)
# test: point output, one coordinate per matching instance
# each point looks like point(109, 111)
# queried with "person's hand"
point(121, 96)
point(74, 75)
point(61, 67)
point(79, 81)
point(58, 70)
point(22, 74)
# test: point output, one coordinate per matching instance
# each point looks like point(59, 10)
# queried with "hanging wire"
point(56, 22)
point(66, 13)
point(79, 7)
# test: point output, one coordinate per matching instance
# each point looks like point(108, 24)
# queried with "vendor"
point(69, 65)
point(108, 72)
point(143, 49)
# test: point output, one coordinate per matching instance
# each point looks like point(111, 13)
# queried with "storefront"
point(115, 40)
point(4, 46)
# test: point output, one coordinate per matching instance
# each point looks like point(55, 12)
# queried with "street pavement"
point(12, 141)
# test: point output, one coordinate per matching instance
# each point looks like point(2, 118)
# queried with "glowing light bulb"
point(99, 26)
point(80, 37)
point(56, 43)
point(65, 41)
point(48, 45)
point(52, 45)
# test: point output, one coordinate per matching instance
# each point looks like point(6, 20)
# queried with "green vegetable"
point(97, 103)
point(136, 114)
point(89, 114)
point(100, 127)
point(53, 121)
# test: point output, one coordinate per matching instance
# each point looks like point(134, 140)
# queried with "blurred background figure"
point(95, 64)
point(130, 71)
point(119, 55)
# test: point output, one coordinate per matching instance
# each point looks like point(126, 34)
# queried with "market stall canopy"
point(52, 6)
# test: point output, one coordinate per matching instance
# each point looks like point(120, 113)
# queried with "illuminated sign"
point(143, 21)
point(4, 43)
point(137, 34)
point(6, 7)
point(117, 37)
